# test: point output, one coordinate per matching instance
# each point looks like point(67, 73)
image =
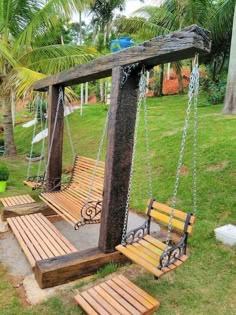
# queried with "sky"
point(130, 7)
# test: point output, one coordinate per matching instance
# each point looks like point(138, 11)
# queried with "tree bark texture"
point(230, 96)
point(9, 142)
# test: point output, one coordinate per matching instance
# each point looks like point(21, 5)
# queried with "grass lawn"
point(206, 284)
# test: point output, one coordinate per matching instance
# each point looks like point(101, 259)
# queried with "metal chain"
point(149, 167)
point(192, 94)
point(69, 134)
point(142, 95)
point(43, 142)
point(34, 131)
point(98, 157)
point(60, 100)
point(195, 129)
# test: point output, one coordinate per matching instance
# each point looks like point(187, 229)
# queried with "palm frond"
point(49, 15)
point(6, 53)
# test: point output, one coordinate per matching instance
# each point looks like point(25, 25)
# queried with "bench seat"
point(39, 238)
point(84, 186)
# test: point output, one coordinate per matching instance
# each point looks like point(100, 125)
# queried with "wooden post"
point(118, 161)
point(55, 144)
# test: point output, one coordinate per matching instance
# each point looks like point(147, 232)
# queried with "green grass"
point(206, 284)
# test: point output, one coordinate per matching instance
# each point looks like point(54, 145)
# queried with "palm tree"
point(23, 57)
point(230, 96)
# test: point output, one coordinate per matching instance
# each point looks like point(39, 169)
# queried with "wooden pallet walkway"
point(39, 238)
point(117, 296)
point(16, 200)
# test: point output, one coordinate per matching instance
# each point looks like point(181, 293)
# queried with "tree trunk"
point(161, 79)
point(177, 68)
point(230, 96)
point(9, 142)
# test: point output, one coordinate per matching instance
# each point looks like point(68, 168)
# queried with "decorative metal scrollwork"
point(37, 179)
point(173, 253)
point(127, 70)
point(90, 213)
point(137, 234)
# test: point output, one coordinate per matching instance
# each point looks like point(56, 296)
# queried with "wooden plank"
point(98, 308)
point(144, 294)
point(23, 209)
point(118, 161)
point(138, 260)
point(155, 249)
point(26, 240)
point(147, 251)
point(166, 209)
point(127, 296)
point(85, 305)
point(133, 293)
point(22, 243)
point(176, 224)
point(142, 255)
point(155, 242)
point(58, 270)
point(32, 235)
point(120, 309)
point(99, 298)
point(163, 49)
point(46, 237)
point(61, 239)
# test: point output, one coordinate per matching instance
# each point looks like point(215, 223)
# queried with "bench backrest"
point(83, 177)
point(161, 213)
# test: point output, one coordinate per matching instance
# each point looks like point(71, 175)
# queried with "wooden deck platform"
point(116, 296)
point(16, 200)
point(39, 238)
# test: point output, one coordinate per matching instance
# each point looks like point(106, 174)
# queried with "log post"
point(56, 141)
point(119, 154)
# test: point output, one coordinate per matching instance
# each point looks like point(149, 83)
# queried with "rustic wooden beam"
point(58, 270)
point(119, 155)
point(55, 142)
point(24, 209)
point(173, 47)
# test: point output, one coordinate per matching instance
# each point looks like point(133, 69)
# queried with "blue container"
point(121, 43)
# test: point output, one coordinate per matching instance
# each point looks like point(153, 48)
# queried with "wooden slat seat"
point(148, 251)
point(117, 296)
point(39, 238)
point(83, 187)
point(33, 185)
point(16, 200)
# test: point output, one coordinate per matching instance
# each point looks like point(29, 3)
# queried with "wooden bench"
point(16, 200)
point(151, 253)
point(71, 202)
point(38, 238)
point(116, 296)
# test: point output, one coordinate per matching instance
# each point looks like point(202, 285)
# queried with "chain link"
point(193, 92)
point(43, 142)
point(98, 158)
point(34, 132)
point(69, 134)
point(142, 95)
point(149, 167)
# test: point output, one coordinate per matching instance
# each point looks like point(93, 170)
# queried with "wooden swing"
point(80, 202)
point(138, 245)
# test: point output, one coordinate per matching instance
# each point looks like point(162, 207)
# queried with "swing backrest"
point(162, 212)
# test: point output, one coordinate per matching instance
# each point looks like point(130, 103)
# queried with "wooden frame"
point(124, 67)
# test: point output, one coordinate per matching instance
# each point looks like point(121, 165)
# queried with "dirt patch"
point(170, 133)
point(217, 167)
point(184, 171)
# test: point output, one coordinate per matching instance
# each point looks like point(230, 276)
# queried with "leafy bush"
point(215, 90)
point(1, 142)
point(4, 173)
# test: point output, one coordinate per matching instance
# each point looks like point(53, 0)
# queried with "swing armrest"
point(138, 233)
point(89, 213)
point(173, 253)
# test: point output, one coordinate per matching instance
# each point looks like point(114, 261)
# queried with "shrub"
point(215, 90)
point(4, 173)
point(34, 155)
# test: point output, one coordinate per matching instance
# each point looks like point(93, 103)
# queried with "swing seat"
point(72, 202)
point(151, 253)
